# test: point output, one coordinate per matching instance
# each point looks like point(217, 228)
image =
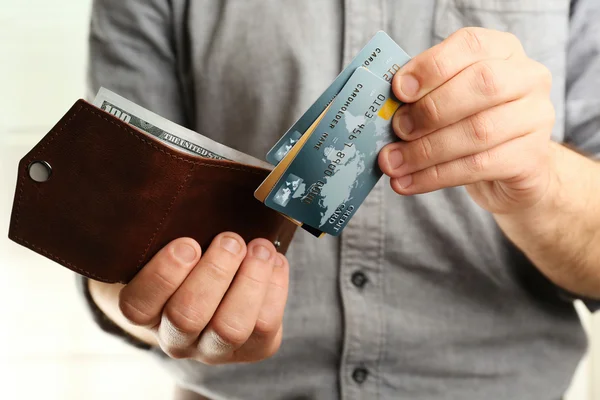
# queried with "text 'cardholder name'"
point(329, 173)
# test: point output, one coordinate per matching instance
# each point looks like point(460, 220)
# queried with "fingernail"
point(231, 245)
point(395, 159)
point(405, 123)
point(184, 252)
point(261, 252)
point(404, 181)
point(279, 260)
point(409, 85)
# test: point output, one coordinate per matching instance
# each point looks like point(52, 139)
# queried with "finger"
point(505, 162)
point(143, 299)
point(477, 88)
point(472, 135)
point(236, 316)
point(266, 337)
point(440, 63)
point(192, 306)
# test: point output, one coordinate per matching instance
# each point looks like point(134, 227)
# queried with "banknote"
point(381, 55)
point(170, 133)
point(324, 182)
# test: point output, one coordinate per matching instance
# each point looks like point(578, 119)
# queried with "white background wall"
point(49, 347)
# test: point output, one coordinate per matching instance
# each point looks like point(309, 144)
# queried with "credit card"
point(323, 182)
point(265, 187)
point(381, 55)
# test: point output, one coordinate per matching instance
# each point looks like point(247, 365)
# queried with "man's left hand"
point(479, 114)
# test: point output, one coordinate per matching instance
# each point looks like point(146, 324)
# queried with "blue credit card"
point(336, 168)
point(381, 55)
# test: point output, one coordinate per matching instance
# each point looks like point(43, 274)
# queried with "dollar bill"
point(170, 133)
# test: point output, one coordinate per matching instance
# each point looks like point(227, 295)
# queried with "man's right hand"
point(223, 306)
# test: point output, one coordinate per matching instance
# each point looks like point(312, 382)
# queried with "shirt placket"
point(361, 249)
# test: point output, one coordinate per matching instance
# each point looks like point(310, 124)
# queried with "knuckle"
point(547, 116)
point(486, 80)
point(513, 40)
point(432, 175)
point(132, 312)
point(186, 316)
point(175, 353)
point(162, 278)
point(545, 75)
point(266, 327)
point(481, 128)
point(425, 148)
point(476, 163)
point(277, 285)
point(217, 270)
point(473, 39)
point(439, 65)
point(430, 109)
point(253, 280)
point(435, 174)
point(212, 349)
point(231, 332)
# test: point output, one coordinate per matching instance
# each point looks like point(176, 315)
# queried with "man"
point(455, 279)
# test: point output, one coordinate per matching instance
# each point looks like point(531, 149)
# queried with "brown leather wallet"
point(115, 196)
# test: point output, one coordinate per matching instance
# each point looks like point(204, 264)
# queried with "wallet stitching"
point(179, 190)
point(136, 134)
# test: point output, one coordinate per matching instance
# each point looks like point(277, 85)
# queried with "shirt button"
point(360, 375)
point(359, 279)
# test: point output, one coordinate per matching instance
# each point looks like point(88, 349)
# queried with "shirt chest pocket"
point(541, 25)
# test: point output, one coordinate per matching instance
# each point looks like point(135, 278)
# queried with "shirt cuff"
point(103, 321)
point(592, 305)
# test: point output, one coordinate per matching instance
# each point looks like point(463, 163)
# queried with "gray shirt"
point(421, 297)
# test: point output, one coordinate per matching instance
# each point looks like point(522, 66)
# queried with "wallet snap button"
point(39, 171)
point(277, 244)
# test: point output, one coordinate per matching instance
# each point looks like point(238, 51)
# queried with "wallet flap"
point(115, 196)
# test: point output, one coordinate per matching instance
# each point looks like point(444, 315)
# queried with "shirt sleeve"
point(132, 52)
point(103, 321)
point(583, 85)
point(583, 78)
